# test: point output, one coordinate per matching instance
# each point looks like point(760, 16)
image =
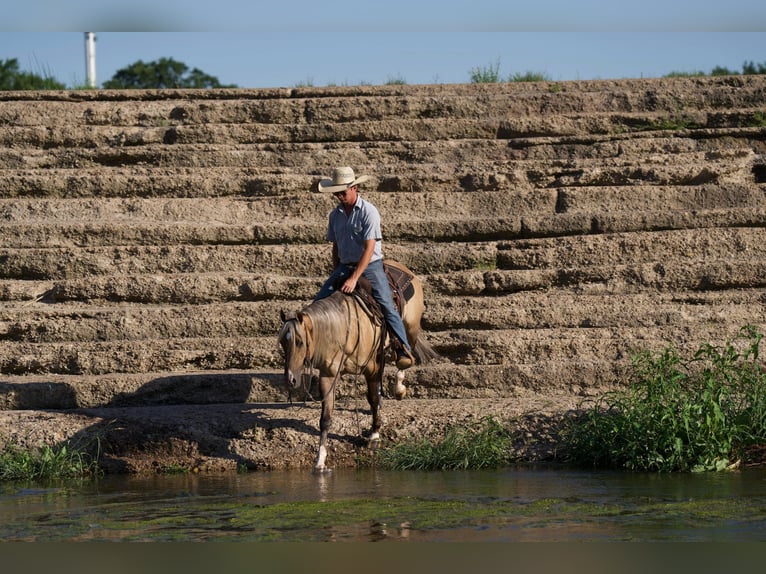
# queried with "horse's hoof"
point(322, 470)
point(399, 394)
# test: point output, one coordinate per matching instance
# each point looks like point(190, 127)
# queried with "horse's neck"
point(330, 321)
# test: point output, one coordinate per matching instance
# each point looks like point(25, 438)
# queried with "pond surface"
point(514, 504)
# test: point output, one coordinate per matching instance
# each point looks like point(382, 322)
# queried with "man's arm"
point(364, 261)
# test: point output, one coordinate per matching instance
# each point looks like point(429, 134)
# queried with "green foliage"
point(486, 75)
point(486, 264)
point(11, 78)
point(751, 68)
point(161, 74)
point(720, 71)
point(748, 68)
point(484, 444)
point(679, 414)
point(46, 463)
point(694, 74)
point(491, 74)
point(671, 124)
point(396, 81)
point(529, 76)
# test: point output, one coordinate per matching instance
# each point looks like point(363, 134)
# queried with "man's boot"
point(404, 359)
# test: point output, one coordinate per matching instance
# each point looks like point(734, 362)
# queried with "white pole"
point(90, 58)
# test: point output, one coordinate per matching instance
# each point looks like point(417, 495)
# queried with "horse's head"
point(295, 340)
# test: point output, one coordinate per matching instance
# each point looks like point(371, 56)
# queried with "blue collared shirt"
point(350, 232)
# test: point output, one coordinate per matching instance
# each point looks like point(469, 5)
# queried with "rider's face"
point(348, 197)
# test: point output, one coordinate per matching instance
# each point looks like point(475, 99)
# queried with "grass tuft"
point(46, 463)
point(483, 444)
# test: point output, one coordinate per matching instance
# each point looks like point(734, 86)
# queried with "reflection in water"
point(516, 504)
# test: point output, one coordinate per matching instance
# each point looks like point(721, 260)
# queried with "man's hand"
point(349, 285)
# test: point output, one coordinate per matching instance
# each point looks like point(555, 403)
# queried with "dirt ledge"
point(224, 437)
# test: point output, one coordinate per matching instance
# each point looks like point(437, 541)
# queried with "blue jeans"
point(381, 291)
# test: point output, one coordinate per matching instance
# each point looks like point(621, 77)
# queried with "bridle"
point(308, 366)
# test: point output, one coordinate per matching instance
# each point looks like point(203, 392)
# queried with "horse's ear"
point(304, 319)
point(288, 316)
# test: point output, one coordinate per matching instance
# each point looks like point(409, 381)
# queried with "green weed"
point(396, 81)
point(45, 463)
point(486, 265)
point(672, 124)
point(483, 444)
point(486, 74)
point(529, 76)
point(757, 121)
point(678, 414)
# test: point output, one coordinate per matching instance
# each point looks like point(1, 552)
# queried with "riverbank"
point(217, 438)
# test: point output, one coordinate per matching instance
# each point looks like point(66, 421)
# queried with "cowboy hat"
point(342, 179)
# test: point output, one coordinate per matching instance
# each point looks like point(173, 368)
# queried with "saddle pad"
point(401, 283)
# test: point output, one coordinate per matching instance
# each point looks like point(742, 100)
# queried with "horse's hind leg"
point(325, 422)
point(373, 397)
point(397, 387)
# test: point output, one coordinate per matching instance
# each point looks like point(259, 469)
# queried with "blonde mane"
point(330, 329)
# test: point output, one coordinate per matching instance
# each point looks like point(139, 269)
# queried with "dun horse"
point(337, 336)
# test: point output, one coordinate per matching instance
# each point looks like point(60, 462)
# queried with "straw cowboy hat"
point(342, 179)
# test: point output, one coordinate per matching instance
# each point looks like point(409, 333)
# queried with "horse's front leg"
point(373, 397)
point(327, 392)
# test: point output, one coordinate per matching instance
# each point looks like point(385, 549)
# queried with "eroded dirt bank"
point(150, 239)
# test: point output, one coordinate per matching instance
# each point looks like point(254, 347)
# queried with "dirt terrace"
point(150, 239)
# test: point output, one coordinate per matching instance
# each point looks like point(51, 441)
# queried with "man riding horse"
point(355, 232)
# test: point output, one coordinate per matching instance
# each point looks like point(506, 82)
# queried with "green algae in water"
point(398, 517)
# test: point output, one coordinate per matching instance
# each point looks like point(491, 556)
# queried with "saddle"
point(401, 286)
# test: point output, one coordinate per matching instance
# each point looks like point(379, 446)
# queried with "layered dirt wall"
point(149, 240)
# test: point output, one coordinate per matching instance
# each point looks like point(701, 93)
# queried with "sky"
point(260, 44)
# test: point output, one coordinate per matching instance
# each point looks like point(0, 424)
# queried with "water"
point(515, 504)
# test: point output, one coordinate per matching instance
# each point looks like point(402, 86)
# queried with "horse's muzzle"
point(291, 381)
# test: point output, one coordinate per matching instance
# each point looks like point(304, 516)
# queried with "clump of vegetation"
point(46, 463)
point(396, 81)
point(679, 414)
point(672, 124)
point(483, 444)
point(529, 76)
point(491, 74)
point(748, 69)
point(12, 78)
point(486, 74)
point(757, 120)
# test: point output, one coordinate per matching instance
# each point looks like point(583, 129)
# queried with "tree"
point(161, 74)
point(722, 71)
point(750, 68)
point(11, 78)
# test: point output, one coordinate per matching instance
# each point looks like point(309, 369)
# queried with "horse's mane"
point(329, 319)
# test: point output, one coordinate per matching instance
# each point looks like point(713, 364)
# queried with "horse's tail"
point(424, 352)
